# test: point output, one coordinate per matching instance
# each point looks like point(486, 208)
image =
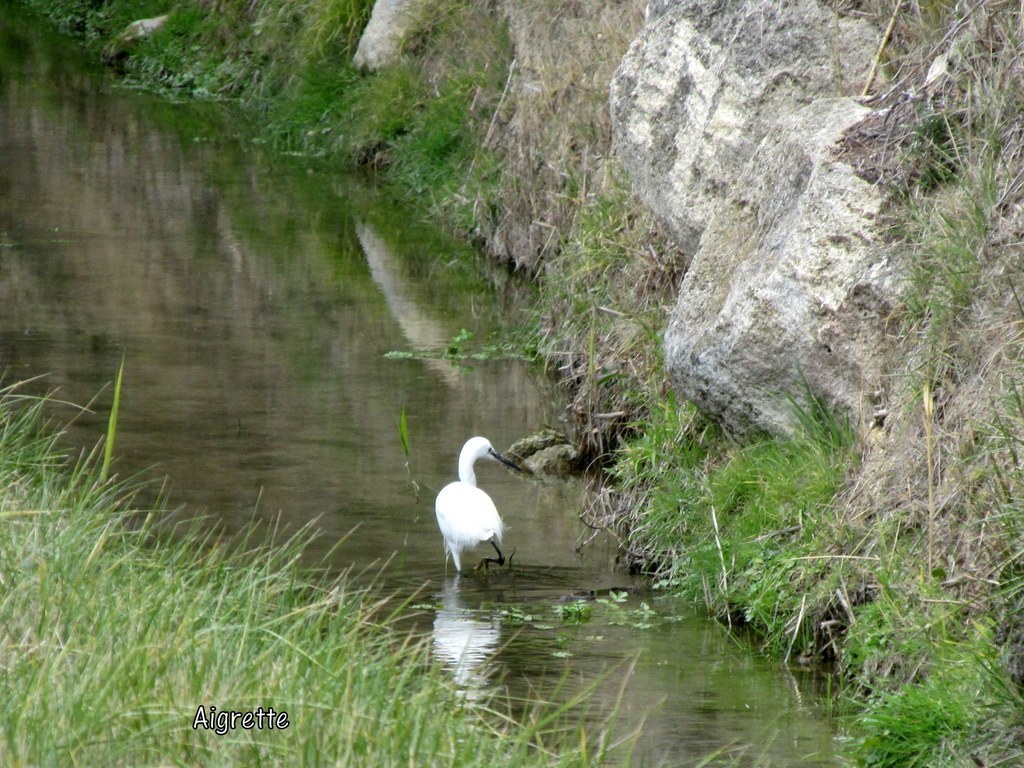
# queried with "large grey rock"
point(705, 81)
point(792, 286)
point(727, 118)
point(389, 25)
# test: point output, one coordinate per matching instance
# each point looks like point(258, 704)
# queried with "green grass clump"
point(909, 728)
point(754, 531)
point(953, 236)
point(737, 520)
point(112, 635)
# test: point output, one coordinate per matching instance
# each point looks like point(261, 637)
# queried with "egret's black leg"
point(485, 563)
point(501, 557)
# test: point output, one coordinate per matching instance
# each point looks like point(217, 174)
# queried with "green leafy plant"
point(574, 612)
point(460, 350)
point(642, 617)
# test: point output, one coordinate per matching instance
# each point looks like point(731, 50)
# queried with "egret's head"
point(476, 448)
point(480, 448)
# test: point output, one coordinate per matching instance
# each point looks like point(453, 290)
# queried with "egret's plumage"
point(465, 514)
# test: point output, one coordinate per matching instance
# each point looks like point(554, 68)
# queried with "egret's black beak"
point(506, 462)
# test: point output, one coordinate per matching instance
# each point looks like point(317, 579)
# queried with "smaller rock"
point(556, 461)
point(117, 49)
point(538, 441)
point(547, 453)
point(142, 28)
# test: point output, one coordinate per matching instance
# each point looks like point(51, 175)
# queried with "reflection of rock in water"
point(463, 642)
point(423, 332)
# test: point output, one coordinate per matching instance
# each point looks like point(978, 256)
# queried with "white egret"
point(465, 514)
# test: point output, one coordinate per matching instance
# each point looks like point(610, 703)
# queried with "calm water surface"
point(255, 300)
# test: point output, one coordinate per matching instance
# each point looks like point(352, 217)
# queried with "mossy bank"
point(890, 546)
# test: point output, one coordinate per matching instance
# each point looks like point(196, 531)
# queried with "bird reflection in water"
point(464, 642)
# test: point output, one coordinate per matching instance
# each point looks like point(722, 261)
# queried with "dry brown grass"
point(953, 155)
point(553, 134)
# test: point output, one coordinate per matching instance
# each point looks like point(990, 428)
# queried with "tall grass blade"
point(403, 434)
point(108, 449)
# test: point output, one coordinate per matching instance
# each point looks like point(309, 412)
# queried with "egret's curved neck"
point(466, 473)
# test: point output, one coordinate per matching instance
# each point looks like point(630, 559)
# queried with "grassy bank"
point(112, 637)
point(911, 609)
point(891, 548)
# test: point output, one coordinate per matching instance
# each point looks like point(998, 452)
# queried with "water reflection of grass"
point(113, 637)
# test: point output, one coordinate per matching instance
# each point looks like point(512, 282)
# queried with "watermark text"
point(220, 721)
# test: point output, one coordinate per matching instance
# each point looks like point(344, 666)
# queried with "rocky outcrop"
point(704, 82)
point(791, 288)
point(727, 118)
